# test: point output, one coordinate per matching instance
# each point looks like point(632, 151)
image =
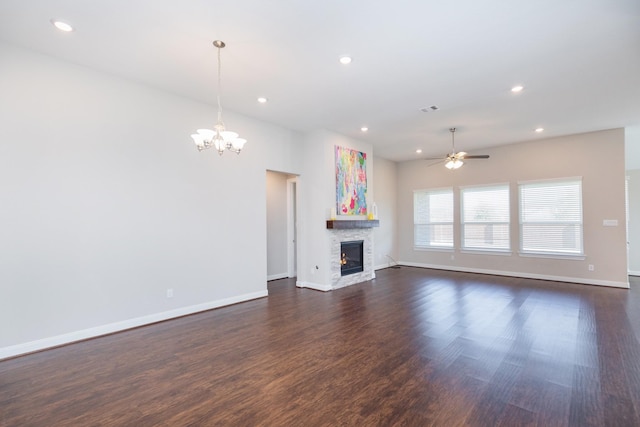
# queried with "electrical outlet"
point(591, 267)
point(453, 257)
point(170, 293)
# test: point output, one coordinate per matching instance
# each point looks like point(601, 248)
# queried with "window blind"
point(485, 218)
point(433, 218)
point(551, 217)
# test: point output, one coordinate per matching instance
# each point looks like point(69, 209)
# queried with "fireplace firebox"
point(351, 257)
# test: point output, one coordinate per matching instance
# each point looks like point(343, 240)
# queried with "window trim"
point(552, 255)
point(443, 248)
point(500, 252)
point(488, 251)
point(545, 253)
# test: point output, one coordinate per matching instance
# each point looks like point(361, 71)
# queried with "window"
point(551, 217)
point(433, 218)
point(485, 218)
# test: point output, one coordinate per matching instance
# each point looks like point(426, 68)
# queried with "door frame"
point(292, 226)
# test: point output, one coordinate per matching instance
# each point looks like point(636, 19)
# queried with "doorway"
point(282, 210)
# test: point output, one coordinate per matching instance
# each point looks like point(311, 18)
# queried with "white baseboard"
point(277, 276)
point(58, 340)
point(519, 274)
point(382, 266)
point(634, 273)
point(316, 286)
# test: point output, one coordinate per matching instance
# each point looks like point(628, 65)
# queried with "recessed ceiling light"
point(345, 59)
point(62, 26)
point(418, 151)
point(364, 128)
point(517, 89)
point(262, 100)
point(539, 130)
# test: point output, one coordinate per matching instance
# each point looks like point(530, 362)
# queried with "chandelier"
point(219, 137)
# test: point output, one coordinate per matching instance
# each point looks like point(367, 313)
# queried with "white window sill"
point(486, 252)
point(574, 257)
point(433, 249)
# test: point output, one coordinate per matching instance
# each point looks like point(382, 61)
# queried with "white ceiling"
point(579, 61)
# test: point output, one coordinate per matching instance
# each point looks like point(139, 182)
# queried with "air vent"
point(431, 108)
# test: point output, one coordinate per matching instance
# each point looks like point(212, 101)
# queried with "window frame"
point(451, 223)
point(550, 253)
point(488, 250)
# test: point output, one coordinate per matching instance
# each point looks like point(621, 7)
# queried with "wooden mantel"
point(346, 224)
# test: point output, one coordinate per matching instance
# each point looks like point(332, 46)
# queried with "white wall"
point(317, 195)
point(276, 225)
point(106, 204)
point(597, 157)
point(634, 221)
point(386, 185)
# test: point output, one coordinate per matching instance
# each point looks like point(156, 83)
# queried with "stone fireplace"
point(350, 232)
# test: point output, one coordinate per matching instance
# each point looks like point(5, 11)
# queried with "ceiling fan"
point(456, 159)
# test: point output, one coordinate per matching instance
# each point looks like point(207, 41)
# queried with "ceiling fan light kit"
point(454, 160)
point(453, 163)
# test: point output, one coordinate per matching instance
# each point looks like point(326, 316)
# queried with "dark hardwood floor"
point(414, 347)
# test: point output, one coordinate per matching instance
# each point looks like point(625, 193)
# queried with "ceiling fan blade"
point(477, 156)
point(439, 162)
point(434, 158)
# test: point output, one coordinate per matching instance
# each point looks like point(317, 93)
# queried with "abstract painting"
point(351, 181)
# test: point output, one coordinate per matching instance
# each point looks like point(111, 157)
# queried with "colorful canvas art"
point(351, 181)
